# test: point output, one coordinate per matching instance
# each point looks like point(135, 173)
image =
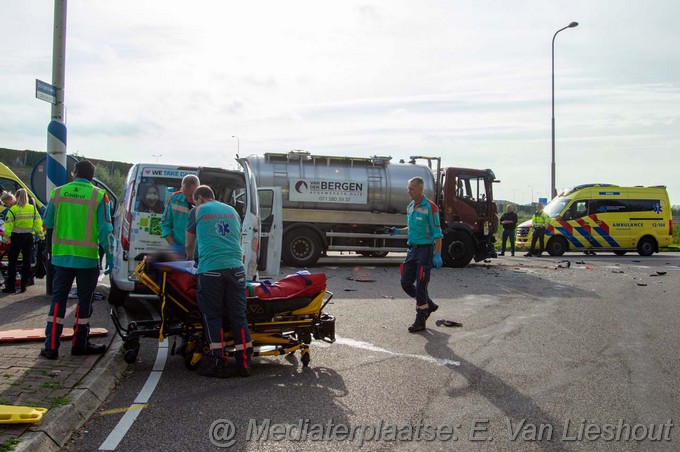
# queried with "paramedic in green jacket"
point(216, 228)
point(539, 222)
point(80, 218)
point(176, 213)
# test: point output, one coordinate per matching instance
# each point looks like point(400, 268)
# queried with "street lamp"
point(238, 145)
point(156, 156)
point(553, 192)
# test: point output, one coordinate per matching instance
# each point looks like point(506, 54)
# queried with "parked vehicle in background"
point(10, 182)
point(604, 217)
point(338, 203)
point(137, 230)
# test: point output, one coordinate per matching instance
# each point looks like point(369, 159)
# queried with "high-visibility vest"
point(23, 220)
point(75, 220)
point(540, 220)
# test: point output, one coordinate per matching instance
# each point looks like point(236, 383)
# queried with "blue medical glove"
point(394, 231)
point(437, 260)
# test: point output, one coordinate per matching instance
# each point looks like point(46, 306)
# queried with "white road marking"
point(119, 431)
point(375, 348)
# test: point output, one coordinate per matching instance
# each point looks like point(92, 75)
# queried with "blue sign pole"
point(56, 130)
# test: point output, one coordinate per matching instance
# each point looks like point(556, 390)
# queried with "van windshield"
point(556, 206)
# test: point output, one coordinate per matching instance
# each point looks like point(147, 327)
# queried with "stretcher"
point(283, 316)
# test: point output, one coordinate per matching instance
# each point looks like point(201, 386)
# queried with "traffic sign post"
point(45, 91)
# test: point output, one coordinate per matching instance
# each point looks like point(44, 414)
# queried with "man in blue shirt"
point(221, 280)
point(174, 219)
point(424, 250)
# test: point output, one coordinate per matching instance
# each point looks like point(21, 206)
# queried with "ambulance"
point(137, 227)
point(603, 217)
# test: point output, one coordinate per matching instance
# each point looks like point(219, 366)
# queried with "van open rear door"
point(250, 229)
point(269, 262)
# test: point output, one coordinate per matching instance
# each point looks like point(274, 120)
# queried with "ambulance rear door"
point(269, 262)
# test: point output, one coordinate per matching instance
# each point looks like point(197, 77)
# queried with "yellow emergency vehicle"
point(11, 182)
point(603, 217)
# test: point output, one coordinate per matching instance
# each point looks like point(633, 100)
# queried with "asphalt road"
point(578, 358)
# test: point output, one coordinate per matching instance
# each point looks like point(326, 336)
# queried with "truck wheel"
point(557, 246)
point(301, 247)
point(117, 297)
point(379, 253)
point(646, 246)
point(457, 249)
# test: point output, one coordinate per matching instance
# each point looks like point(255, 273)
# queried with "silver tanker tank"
point(339, 183)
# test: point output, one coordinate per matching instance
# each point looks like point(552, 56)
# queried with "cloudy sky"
point(465, 80)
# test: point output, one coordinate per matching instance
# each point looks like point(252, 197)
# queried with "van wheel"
point(301, 247)
point(457, 249)
point(620, 252)
point(117, 297)
point(646, 246)
point(557, 246)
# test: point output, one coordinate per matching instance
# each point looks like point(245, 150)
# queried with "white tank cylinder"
point(335, 183)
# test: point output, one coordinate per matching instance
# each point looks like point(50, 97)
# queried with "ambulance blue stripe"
point(606, 236)
point(574, 241)
point(588, 237)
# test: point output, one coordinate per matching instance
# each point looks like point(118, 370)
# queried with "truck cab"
point(469, 215)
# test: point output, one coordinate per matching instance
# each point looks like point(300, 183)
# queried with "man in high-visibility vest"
point(539, 222)
point(80, 217)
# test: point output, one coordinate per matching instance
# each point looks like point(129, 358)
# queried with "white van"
point(137, 229)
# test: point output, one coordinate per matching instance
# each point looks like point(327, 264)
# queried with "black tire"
point(646, 246)
point(305, 359)
point(117, 297)
point(379, 253)
point(301, 247)
point(620, 252)
point(457, 249)
point(130, 355)
point(557, 246)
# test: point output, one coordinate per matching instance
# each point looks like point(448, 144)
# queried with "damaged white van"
point(137, 225)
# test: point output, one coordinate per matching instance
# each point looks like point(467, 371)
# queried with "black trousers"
point(538, 234)
point(20, 243)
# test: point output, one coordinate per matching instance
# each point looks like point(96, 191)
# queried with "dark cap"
point(85, 169)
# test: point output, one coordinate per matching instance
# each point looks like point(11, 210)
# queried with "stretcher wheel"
point(192, 360)
point(305, 358)
point(130, 355)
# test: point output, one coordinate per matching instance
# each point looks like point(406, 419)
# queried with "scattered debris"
point(617, 271)
point(563, 264)
point(449, 323)
point(488, 261)
point(352, 278)
point(351, 290)
point(389, 297)
point(580, 262)
point(660, 273)
point(641, 284)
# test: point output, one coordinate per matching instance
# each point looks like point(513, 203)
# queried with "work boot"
point(211, 366)
point(432, 307)
point(529, 254)
point(9, 290)
point(502, 253)
point(49, 354)
point(419, 324)
point(89, 349)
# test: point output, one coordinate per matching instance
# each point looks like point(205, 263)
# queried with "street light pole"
point(238, 145)
point(553, 192)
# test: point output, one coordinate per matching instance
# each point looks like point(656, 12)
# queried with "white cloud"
point(469, 81)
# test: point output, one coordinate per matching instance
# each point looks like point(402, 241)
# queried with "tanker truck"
point(337, 203)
